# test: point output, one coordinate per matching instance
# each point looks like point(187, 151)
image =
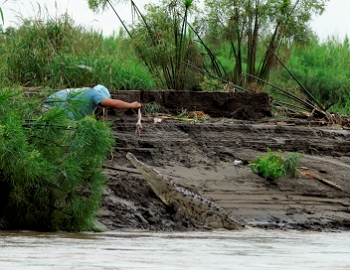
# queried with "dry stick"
point(324, 181)
point(327, 182)
point(116, 168)
point(138, 124)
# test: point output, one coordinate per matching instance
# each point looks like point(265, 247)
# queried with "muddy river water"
point(250, 249)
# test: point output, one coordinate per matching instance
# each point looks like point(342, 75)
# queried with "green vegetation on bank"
point(323, 67)
point(273, 165)
point(58, 54)
point(50, 166)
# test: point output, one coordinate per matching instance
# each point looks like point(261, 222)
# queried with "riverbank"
point(200, 156)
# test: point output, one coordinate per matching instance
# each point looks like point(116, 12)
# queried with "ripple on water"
point(250, 249)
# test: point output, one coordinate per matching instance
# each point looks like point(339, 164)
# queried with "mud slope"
point(200, 157)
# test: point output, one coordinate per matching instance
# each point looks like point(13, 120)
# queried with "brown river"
point(250, 249)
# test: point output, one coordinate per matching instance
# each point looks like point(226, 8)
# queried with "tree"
point(244, 24)
point(161, 38)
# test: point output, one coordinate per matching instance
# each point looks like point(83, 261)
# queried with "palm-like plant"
point(167, 43)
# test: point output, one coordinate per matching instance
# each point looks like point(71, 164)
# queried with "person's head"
point(102, 89)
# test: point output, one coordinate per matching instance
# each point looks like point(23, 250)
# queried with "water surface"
point(250, 249)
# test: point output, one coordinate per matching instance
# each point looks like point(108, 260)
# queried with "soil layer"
point(200, 155)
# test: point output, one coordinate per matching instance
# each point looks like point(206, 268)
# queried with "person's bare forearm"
point(119, 104)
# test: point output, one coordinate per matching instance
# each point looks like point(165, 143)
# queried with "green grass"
point(343, 108)
point(58, 54)
point(323, 67)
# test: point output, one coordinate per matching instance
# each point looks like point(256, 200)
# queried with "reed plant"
point(164, 41)
point(1, 16)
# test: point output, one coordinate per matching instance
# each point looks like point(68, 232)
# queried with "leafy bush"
point(50, 167)
point(273, 165)
point(270, 166)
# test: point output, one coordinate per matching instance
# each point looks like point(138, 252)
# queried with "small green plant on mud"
point(291, 163)
point(269, 166)
point(273, 165)
point(151, 108)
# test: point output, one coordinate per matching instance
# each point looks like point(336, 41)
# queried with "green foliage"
point(211, 84)
point(97, 5)
point(242, 23)
point(273, 165)
point(162, 40)
point(54, 52)
point(50, 167)
point(58, 54)
point(342, 108)
point(151, 108)
point(323, 68)
point(269, 166)
point(291, 163)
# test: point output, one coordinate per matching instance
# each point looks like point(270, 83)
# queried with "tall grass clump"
point(323, 68)
point(50, 167)
point(55, 52)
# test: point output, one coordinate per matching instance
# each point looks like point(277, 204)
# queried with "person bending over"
point(80, 102)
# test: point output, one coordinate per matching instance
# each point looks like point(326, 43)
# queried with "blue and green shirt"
point(78, 102)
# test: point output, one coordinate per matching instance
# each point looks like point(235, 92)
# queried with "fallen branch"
point(120, 169)
point(322, 180)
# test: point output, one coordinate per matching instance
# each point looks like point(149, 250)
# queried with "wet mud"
point(201, 156)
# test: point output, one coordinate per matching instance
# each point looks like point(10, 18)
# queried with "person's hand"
point(136, 105)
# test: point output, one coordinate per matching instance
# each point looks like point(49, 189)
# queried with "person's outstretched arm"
point(119, 104)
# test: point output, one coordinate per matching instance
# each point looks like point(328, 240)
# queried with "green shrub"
point(273, 165)
point(50, 167)
point(269, 166)
point(322, 68)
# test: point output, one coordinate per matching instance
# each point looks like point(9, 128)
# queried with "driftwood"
point(322, 180)
point(122, 169)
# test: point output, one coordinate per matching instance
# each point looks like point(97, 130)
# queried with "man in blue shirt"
point(79, 102)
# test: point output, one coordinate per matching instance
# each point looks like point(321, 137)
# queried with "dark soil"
point(200, 156)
